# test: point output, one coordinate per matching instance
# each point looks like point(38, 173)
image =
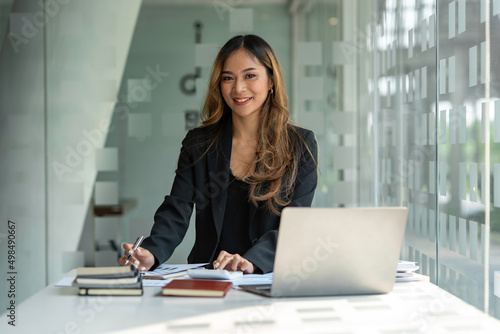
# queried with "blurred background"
point(97, 95)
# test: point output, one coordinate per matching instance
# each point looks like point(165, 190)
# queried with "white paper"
point(148, 283)
point(253, 279)
point(65, 282)
point(213, 274)
point(168, 269)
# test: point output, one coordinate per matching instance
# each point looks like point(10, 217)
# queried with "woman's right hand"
point(142, 259)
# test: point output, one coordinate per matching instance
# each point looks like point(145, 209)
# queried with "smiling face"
point(244, 84)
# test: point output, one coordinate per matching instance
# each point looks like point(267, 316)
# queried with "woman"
point(240, 168)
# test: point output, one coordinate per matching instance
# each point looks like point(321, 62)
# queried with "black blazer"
point(202, 178)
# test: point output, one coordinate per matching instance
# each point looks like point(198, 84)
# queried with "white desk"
point(410, 308)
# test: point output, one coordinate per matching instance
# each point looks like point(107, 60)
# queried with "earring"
point(271, 91)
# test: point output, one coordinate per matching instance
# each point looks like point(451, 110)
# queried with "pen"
point(134, 248)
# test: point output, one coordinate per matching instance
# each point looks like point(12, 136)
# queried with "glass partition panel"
point(489, 18)
point(325, 100)
point(461, 110)
point(406, 144)
point(397, 141)
point(430, 87)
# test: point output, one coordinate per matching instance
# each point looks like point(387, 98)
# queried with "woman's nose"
point(240, 85)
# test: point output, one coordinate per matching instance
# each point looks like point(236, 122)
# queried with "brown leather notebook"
point(196, 288)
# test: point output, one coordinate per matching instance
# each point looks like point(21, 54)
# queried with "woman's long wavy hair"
point(276, 160)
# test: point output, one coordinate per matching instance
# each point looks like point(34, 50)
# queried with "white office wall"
point(5, 10)
point(87, 45)
point(22, 151)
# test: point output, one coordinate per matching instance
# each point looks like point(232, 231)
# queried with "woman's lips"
point(241, 100)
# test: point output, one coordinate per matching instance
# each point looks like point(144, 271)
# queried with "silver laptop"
point(336, 251)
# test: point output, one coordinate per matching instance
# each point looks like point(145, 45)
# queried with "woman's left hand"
point(233, 262)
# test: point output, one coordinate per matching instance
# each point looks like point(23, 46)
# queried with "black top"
point(200, 185)
point(234, 236)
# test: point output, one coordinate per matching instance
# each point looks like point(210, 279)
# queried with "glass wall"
point(434, 107)
point(416, 81)
point(320, 88)
point(462, 117)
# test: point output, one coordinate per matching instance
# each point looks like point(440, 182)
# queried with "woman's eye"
point(226, 78)
point(249, 76)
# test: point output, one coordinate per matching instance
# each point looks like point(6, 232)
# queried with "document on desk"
point(250, 279)
point(65, 281)
point(149, 283)
point(165, 271)
point(407, 272)
point(253, 279)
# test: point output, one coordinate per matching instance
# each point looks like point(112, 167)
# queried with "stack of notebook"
point(116, 281)
point(407, 272)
